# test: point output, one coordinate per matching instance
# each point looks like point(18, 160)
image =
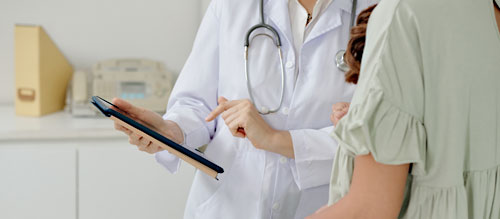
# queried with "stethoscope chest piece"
point(339, 59)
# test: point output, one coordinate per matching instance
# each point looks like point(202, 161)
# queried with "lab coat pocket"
point(240, 191)
point(215, 197)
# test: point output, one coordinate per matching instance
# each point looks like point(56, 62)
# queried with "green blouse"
point(429, 95)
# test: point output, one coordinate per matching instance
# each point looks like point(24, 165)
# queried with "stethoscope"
point(339, 57)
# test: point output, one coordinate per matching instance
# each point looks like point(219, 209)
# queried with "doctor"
point(277, 164)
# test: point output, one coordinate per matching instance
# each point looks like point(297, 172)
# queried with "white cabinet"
point(121, 182)
point(37, 183)
point(59, 167)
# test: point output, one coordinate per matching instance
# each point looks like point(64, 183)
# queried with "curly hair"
point(356, 45)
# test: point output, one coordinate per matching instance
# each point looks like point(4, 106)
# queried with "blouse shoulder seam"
point(386, 29)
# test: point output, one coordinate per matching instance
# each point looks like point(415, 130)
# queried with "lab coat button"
point(276, 206)
point(289, 65)
point(285, 111)
point(283, 160)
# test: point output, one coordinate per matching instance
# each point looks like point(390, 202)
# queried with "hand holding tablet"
point(149, 131)
point(167, 128)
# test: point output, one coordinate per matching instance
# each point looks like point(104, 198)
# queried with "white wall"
point(87, 31)
point(204, 5)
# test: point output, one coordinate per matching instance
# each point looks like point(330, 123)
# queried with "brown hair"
point(356, 45)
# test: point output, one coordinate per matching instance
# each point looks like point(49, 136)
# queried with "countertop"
point(55, 126)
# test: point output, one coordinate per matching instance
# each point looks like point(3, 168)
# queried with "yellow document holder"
point(42, 72)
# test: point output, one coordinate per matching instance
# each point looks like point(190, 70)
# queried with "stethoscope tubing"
point(277, 41)
point(341, 65)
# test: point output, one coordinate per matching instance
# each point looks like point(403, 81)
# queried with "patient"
point(421, 138)
point(353, 57)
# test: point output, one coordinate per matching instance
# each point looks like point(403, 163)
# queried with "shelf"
point(56, 126)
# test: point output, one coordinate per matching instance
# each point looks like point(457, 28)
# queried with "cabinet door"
point(118, 181)
point(37, 182)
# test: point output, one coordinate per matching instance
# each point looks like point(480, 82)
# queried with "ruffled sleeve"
point(386, 114)
point(391, 135)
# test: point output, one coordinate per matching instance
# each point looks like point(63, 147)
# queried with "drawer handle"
point(26, 94)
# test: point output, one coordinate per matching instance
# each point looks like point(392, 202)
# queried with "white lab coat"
point(257, 183)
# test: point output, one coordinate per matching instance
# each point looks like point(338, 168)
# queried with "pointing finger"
point(224, 104)
point(216, 112)
point(221, 100)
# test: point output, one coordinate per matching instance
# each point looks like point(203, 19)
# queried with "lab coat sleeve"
point(314, 152)
point(194, 95)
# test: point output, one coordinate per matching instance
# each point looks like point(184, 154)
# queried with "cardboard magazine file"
point(42, 72)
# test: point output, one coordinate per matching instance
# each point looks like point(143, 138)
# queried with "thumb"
point(126, 106)
point(134, 111)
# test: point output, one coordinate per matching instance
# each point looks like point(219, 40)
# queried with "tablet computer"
point(187, 154)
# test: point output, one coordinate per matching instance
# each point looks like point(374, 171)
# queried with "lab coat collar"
point(346, 5)
point(330, 19)
point(277, 11)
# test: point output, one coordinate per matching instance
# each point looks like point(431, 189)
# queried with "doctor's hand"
point(244, 121)
point(339, 110)
point(167, 128)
